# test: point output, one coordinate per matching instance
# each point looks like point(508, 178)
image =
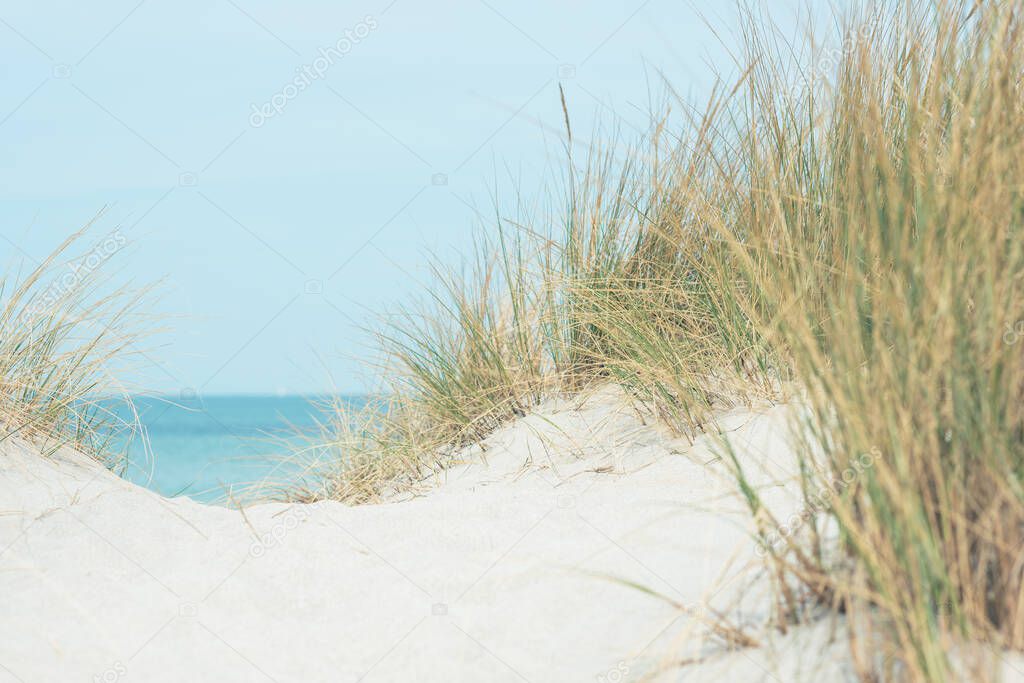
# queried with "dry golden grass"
point(849, 226)
point(64, 338)
point(885, 244)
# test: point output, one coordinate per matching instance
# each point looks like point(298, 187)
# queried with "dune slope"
point(577, 544)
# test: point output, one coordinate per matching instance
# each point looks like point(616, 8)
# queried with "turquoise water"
point(207, 447)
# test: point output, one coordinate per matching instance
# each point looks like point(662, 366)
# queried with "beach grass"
point(839, 227)
point(67, 334)
point(889, 262)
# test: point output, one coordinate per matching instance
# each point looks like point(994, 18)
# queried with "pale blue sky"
point(147, 108)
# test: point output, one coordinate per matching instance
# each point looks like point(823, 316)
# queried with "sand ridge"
point(523, 567)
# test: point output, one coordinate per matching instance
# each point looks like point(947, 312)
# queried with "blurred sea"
point(207, 447)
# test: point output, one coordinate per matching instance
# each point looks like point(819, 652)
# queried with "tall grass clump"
point(594, 288)
point(454, 368)
point(668, 317)
point(841, 226)
point(64, 335)
point(882, 229)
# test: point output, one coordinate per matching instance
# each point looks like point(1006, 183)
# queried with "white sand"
point(508, 571)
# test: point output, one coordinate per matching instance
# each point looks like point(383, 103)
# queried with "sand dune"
point(517, 569)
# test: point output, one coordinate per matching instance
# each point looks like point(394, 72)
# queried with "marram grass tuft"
point(840, 227)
